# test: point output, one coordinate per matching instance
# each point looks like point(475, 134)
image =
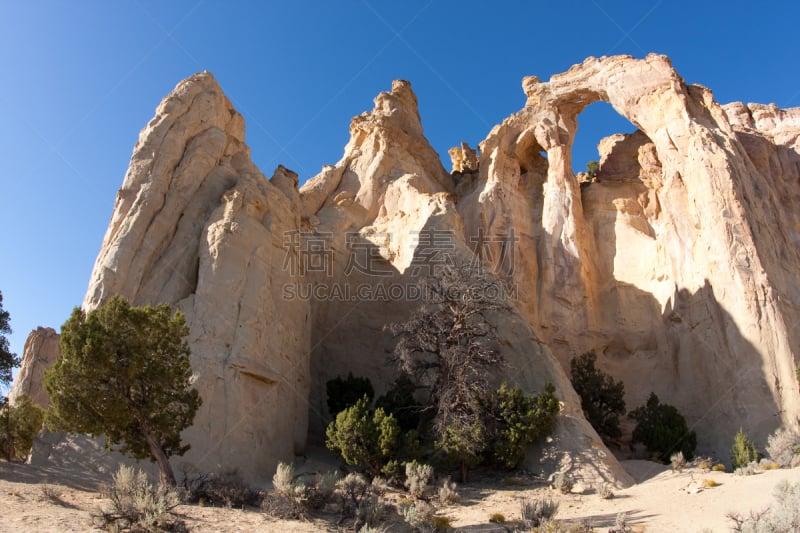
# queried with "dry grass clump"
point(282, 506)
point(293, 499)
point(678, 461)
point(441, 523)
point(710, 483)
point(372, 511)
point(621, 524)
point(563, 483)
point(497, 518)
point(448, 495)
point(418, 476)
point(703, 463)
point(354, 489)
point(749, 469)
point(536, 512)
point(418, 515)
point(283, 480)
point(226, 489)
point(719, 467)
point(766, 464)
point(784, 448)
point(138, 506)
point(360, 501)
point(51, 493)
point(605, 491)
point(557, 526)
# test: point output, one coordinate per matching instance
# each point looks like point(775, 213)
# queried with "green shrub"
point(519, 421)
point(364, 437)
point(124, 372)
point(602, 398)
point(399, 401)
point(464, 441)
point(19, 425)
point(743, 451)
point(344, 393)
point(663, 430)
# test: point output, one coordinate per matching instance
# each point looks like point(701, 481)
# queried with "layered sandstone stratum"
point(678, 264)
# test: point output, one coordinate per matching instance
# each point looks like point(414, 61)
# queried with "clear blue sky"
point(80, 79)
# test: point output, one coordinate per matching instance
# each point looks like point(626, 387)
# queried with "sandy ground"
point(662, 501)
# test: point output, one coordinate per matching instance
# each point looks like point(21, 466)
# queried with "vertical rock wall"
point(197, 225)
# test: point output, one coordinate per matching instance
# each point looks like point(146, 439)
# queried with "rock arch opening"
point(596, 122)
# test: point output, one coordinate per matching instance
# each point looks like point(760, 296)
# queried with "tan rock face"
point(390, 199)
point(463, 158)
point(40, 353)
point(678, 263)
point(196, 225)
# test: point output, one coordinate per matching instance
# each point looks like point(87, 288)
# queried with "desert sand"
point(661, 501)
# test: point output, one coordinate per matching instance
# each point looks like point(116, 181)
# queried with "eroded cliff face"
point(388, 209)
point(40, 353)
point(678, 264)
point(196, 225)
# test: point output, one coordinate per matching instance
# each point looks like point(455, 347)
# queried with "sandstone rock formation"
point(390, 205)
point(196, 225)
point(463, 158)
point(40, 352)
point(678, 264)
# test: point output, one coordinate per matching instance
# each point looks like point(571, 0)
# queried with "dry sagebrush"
point(136, 505)
point(784, 447)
